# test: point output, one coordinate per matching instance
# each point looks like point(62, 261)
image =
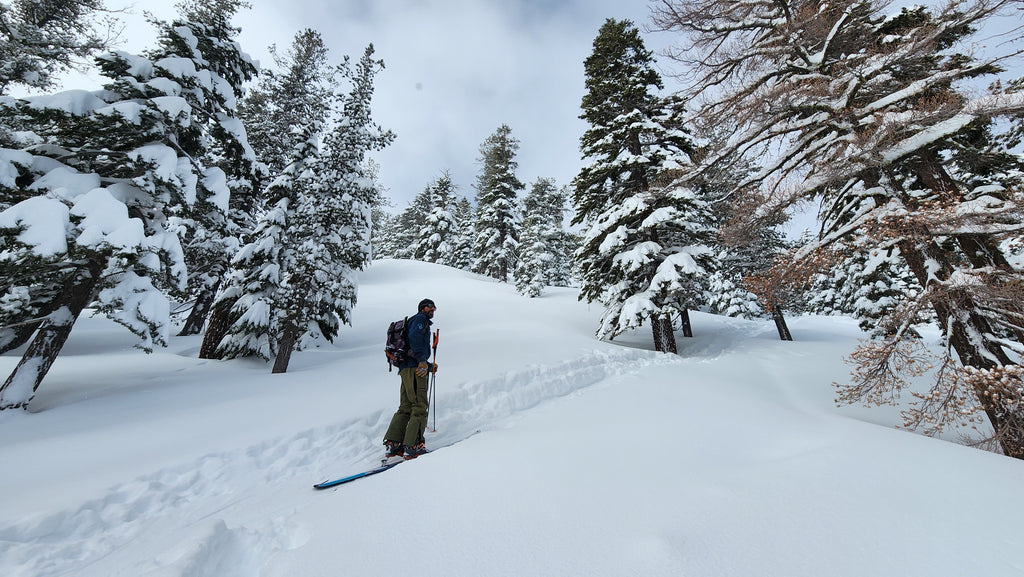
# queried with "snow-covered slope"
point(576, 457)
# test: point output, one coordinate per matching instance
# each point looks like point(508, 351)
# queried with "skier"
point(405, 434)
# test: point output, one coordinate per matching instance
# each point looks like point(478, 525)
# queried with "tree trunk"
point(12, 337)
point(664, 337)
point(285, 344)
point(780, 323)
point(983, 252)
point(20, 387)
point(685, 318)
point(220, 322)
point(197, 318)
point(969, 334)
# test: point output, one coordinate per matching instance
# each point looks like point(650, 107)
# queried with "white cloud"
point(455, 70)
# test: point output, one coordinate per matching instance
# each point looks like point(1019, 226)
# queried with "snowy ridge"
point(61, 543)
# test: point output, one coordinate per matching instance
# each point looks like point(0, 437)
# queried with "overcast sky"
point(455, 70)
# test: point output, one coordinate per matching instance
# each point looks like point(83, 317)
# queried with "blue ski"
point(384, 467)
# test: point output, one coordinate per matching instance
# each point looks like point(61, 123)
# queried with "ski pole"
point(433, 383)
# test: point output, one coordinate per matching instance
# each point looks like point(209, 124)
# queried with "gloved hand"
point(424, 367)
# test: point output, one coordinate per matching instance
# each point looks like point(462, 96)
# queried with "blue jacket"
point(418, 337)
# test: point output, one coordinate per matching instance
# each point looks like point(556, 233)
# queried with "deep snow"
point(576, 457)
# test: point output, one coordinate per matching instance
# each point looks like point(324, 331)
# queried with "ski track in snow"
point(215, 489)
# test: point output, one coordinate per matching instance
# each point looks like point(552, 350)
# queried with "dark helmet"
point(426, 303)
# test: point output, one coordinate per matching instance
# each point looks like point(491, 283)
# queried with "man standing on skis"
point(405, 434)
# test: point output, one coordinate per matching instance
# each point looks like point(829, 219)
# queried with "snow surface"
point(574, 456)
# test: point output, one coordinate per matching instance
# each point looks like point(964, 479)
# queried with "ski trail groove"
point(62, 543)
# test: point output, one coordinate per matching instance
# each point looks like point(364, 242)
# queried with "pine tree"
point(463, 250)
point(284, 102)
point(263, 267)
point(438, 236)
point(38, 40)
point(278, 114)
point(545, 248)
point(409, 222)
point(297, 279)
point(497, 210)
point(211, 228)
point(866, 112)
point(750, 251)
point(97, 214)
point(646, 253)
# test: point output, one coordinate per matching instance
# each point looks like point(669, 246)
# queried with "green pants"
point(410, 419)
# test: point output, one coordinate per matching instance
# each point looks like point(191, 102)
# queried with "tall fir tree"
point(104, 173)
point(297, 279)
point(278, 114)
point(748, 251)
point(405, 233)
point(463, 250)
point(496, 245)
point(210, 234)
point(646, 252)
point(285, 101)
point(438, 236)
point(546, 247)
point(262, 268)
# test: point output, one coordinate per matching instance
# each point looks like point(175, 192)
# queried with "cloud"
point(455, 70)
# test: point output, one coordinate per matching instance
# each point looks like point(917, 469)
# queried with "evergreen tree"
point(263, 267)
point(867, 113)
point(278, 109)
point(38, 40)
point(211, 233)
point(497, 212)
point(545, 248)
point(278, 114)
point(408, 223)
point(102, 174)
point(297, 279)
point(439, 233)
point(383, 233)
point(750, 248)
point(866, 283)
point(462, 253)
point(646, 252)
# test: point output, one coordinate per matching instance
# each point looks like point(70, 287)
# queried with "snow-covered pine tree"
point(102, 173)
point(39, 40)
point(463, 250)
point(337, 219)
point(263, 266)
point(439, 233)
point(405, 233)
point(867, 112)
point(647, 250)
point(865, 283)
point(210, 233)
point(751, 249)
point(296, 281)
point(496, 245)
point(284, 101)
point(545, 252)
point(277, 114)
